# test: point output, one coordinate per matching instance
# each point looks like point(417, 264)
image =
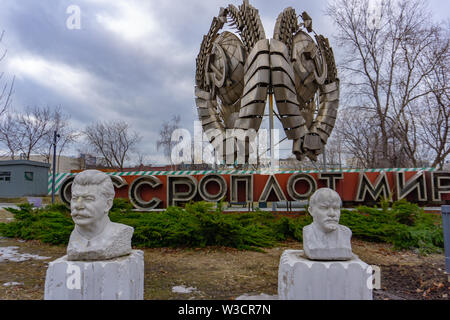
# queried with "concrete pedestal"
point(116, 279)
point(303, 279)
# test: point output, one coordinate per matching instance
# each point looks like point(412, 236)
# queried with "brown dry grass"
point(216, 273)
point(224, 273)
point(31, 273)
point(6, 216)
point(45, 200)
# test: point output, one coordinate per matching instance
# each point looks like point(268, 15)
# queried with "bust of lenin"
point(95, 237)
point(325, 238)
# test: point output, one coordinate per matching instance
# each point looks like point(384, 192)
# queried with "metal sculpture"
point(236, 73)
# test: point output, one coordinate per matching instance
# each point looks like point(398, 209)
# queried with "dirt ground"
point(6, 216)
point(224, 273)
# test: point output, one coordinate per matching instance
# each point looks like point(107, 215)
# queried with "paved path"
point(8, 205)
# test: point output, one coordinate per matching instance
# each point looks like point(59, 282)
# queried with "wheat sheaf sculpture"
point(237, 71)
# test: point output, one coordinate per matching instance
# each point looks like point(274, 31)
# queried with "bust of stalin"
point(95, 237)
point(325, 238)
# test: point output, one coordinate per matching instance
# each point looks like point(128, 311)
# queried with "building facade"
point(22, 178)
point(64, 164)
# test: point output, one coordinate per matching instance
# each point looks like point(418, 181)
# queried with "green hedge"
point(405, 225)
point(52, 224)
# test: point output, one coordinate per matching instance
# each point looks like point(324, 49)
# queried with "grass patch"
point(198, 225)
point(52, 224)
point(403, 224)
point(46, 200)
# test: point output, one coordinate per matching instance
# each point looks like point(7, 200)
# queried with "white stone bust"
point(95, 237)
point(325, 238)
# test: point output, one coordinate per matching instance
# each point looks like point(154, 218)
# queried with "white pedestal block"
point(303, 279)
point(116, 279)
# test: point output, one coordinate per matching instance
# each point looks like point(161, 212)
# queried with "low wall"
point(149, 190)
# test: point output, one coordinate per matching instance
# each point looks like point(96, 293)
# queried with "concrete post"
point(446, 225)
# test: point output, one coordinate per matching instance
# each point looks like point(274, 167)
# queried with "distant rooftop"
point(24, 162)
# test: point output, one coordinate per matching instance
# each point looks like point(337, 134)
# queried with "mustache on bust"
point(78, 214)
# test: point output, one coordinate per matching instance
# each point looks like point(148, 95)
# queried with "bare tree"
point(384, 71)
point(334, 153)
point(141, 161)
point(360, 138)
point(7, 90)
point(8, 132)
point(10, 135)
point(113, 141)
point(165, 136)
point(435, 109)
point(31, 132)
point(60, 123)
point(34, 125)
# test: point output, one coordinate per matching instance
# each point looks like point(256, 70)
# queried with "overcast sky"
point(131, 60)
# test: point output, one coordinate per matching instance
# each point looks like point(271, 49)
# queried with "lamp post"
point(55, 136)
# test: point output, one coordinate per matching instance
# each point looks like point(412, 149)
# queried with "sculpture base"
point(116, 279)
point(303, 279)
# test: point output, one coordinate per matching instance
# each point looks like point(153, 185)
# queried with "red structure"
point(147, 191)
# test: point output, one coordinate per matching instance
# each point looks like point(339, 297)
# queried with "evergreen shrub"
point(405, 225)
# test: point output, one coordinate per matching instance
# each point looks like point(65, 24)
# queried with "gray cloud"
point(131, 60)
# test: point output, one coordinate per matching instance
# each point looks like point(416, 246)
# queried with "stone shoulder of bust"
point(113, 242)
point(327, 246)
